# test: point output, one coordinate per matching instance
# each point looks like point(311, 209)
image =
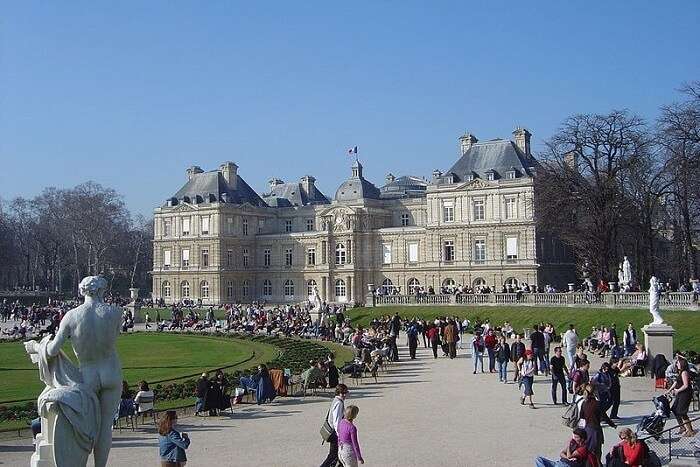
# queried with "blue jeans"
point(542, 462)
point(570, 357)
point(199, 405)
point(478, 358)
point(540, 360)
point(503, 371)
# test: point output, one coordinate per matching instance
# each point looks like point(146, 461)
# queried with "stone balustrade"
point(676, 300)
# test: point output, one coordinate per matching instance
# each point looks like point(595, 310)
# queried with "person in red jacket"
point(490, 343)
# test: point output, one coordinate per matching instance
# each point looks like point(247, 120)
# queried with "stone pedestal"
point(43, 454)
point(571, 287)
point(658, 339)
point(134, 293)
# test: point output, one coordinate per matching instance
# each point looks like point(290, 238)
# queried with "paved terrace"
point(422, 412)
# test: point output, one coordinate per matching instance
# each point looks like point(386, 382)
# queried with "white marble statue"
point(627, 271)
point(78, 404)
point(620, 278)
point(654, 300)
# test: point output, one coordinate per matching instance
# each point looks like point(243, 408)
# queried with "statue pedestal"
point(43, 454)
point(658, 339)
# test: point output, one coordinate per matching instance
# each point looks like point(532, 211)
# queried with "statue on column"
point(77, 406)
point(620, 278)
point(316, 303)
point(654, 296)
point(627, 272)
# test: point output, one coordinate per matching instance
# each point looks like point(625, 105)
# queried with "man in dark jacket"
point(537, 347)
point(201, 393)
point(517, 350)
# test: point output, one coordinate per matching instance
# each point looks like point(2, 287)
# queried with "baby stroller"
point(654, 424)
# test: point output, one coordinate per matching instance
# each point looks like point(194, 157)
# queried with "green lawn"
point(686, 323)
point(149, 356)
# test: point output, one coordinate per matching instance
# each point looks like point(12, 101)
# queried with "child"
point(172, 443)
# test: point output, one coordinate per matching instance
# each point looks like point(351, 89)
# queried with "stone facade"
point(218, 241)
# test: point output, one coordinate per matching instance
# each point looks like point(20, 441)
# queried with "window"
point(166, 228)
point(166, 259)
point(310, 286)
point(511, 282)
point(448, 248)
point(387, 287)
point(205, 225)
point(480, 250)
point(448, 211)
point(246, 257)
point(267, 288)
point(479, 282)
point(511, 208)
point(340, 290)
point(324, 250)
point(288, 225)
point(229, 225)
point(309, 225)
point(479, 210)
point(229, 289)
point(340, 254)
point(288, 288)
point(245, 226)
point(266, 257)
point(185, 259)
point(204, 289)
point(349, 249)
point(512, 248)
point(413, 252)
point(448, 284)
point(405, 220)
point(413, 286)
point(510, 175)
point(166, 289)
point(229, 258)
point(386, 253)
point(185, 289)
point(288, 257)
point(205, 257)
point(245, 288)
point(491, 176)
point(261, 225)
point(311, 256)
point(185, 226)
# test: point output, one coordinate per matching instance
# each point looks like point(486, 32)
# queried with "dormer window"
point(512, 173)
point(490, 175)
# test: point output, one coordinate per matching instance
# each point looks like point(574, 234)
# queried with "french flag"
point(352, 151)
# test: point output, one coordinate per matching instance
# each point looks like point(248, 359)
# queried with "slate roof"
point(291, 194)
point(497, 155)
point(356, 187)
point(407, 186)
point(208, 187)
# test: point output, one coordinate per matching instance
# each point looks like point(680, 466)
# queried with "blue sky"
point(130, 94)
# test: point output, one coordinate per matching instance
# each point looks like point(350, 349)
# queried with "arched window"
point(340, 254)
point(479, 282)
point(511, 282)
point(245, 288)
point(310, 285)
point(387, 287)
point(340, 290)
point(229, 289)
point(204, 289)
point(166, 289)
point(413, 286)
point(449, 285)
point(185, 289)
point(288, 288)
point(267, 288)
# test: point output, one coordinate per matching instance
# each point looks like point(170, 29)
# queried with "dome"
point(403, 187)
point(356, 187)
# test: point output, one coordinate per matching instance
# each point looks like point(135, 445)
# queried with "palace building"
point(218, 240)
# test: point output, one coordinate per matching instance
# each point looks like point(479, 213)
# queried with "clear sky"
point(130, 94)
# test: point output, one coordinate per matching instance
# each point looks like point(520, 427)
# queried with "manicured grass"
point(144, 355)
point(686, 323)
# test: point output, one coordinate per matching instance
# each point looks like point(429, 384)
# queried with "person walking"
point(502, 351)
point(172, 444)
point(592, 414)
point(335, 414)
point(412, 335)
point(559, 370)
point(570, 340)
point(490, 343)
point(615, 389)
point(527, 376)
point(517, 350)
point(201, 393)
point(478, 348)
point(434, 338)
point(348, 445)
point(537, 344)
point(682, 391)
point(450, 335)
point(629, 339)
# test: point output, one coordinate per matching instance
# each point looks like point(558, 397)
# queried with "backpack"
point(572, 414)
point(479, 345)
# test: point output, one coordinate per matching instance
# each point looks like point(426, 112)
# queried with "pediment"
point(475, 184)
point(181, 207)
point(335, 211)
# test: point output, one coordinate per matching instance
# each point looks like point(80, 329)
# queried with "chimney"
point(466, 141)
point(356, 169)
point(522, 140)
point(390, 177)
point(274, 182)
point(436, 174)
point(307, 185)
point(229, 171)
point(195, 169)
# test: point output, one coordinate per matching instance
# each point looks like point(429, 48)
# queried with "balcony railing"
point(619, 300)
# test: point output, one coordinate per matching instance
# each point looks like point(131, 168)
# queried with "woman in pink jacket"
point(348, 446)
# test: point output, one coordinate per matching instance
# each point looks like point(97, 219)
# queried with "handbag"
point(327, 430)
